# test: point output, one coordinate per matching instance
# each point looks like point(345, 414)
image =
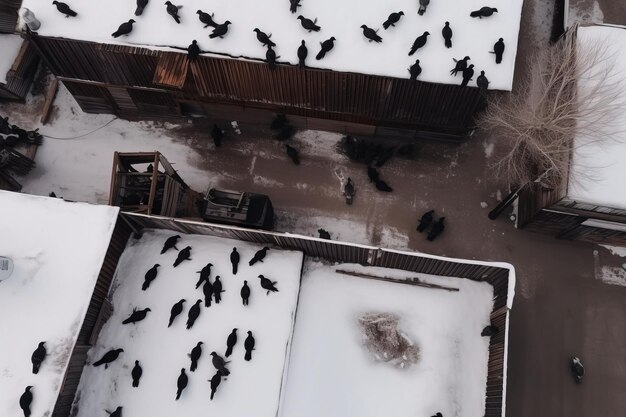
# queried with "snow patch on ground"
point(162, 351)
point(616, 250)
point(331, 374)
point(10, 46)
point(57, 249)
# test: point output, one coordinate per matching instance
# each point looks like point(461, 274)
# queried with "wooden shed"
point(9, 15)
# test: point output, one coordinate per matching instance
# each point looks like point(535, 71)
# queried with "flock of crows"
point(221, 29)
point(212, 292)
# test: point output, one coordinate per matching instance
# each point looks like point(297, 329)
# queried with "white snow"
point(331, 374)
point(252, 389)
point(57, 249)
point(341, 19)
point(598, 168)
point(10, 46)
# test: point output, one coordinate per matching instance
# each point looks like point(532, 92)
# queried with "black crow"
point(183, 255)
point(207, 290)
point(326, 46)
point(181, 383)
point(248, 344)
point(392, 20)
point(245, 293)
point(498, 49)
point(349, 191)
point(268, 285)
point(383, 186)
point(484, 12)
point(285, 133)
point(195, 354)
point(446, 32)
point(231, 341)
point(38, 357)
point(65, 9)
point(371, 34)
point(302, 53)
point(141, 4)
point(578, 370)
point(293, 154)
point(279, 121)
point(136, 316)
point(108, 357)
point(116, 413)
point(460, 65)
point(124, 29)
point(172, 10)
point(263, 37)
point(490, 330)
point(372, 174)
point(215, 382)
point(170, 243)
point(220, 364)
point(468, 73)
point(425, 221)
point(217, 134)
point(323, 234)
point(220, 30)
point(270, 58)
point(294, 4)
point(234, 260)
point(438, 415)
point(437, 229)
point(136, 374)
point(206, 18)
point(193, 50)
point(423, 5)
point(193, 314)
point(309, 24)
point(419, 42)
point(205, 274)
point(176, 310)
point(414, 70)
point(149, 277)
point(217, 290)
point(483, 83)
point(25, 399)
point(259, 256)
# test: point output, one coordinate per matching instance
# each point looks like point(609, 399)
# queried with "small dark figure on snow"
point(193, 314)
point(193, 50)
point(245, 293)
point(264, 38)
point(294, 4)
point(64, 9)
point(231, 341)
point(220, 30)
point(176, 310)
point(259, 256)
point(141, 4)
point(248, 344)
point(136, 374)
point(425, 221)
point(392, 19)
point(195, 354)
point(181, 383)
point(270, 57)
point(108, 357)
point(420, 41)
point(38, 357)
point(490, 330)
point(207, 290)
point(415, 70)
point(498, 50)
point(323, 234)
point(302, 54)
point(217, 134)
point(326, 46)
point(436, 230)
point(268, 285)
point(423, 6)
point(468, 73)
point(234, 260)
point(219, 363)
point(170, 243)
point(460, 65)
point(349, 191)
point(578, 370)
point(217, 290)
point(483, 83)
point(136, 316)
point(484, 12)
point(371, 34)
point(172, 10)
point(124, 29)
point(149, 277)
point(215, 382)
point(25, 400)
point(206, 18)
point(446, 32)
point(183, 255)
point(308, 24)
point(205, 274)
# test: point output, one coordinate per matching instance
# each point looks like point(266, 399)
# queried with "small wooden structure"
point(20, 76)
point(155, 188)
point(8, 15)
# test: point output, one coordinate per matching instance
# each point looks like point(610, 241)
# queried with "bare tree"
point(570, 92)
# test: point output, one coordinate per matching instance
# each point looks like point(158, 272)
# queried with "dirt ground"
point(562, 307)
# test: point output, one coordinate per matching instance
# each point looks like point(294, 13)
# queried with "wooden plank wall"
point(8, 15)
point(366, 255)
point(20, 77)
point(349, 97)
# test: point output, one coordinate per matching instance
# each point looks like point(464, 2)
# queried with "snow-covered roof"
point(57, 249)
point(598, 167)
point(10, 46)
point(473, 37)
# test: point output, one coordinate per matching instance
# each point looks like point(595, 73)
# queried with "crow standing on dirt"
point(263, 37)
point(446, 32)
point(64, 9)
point(294, 4)
point(323, 234)
point(136, 374)
point(259, 256)
point(193, 314)
point(425, 221)
point(484, 12)
point(193, 50)
point(326, 46)
point(437, 229)
point(414, 70)
point(245, 293)
point(170, 243)
point(195, 354)
point(181, 383)
point(124, 29)
point(268, 285)
point(423, 6)
point(136, 316)
point(217, 134)
point(393, 19)
point(498, 50)
point(420, 41)
point(234, 260)
point(207, 290)
point(371, 34)
point(302, 54)
point(206, 18)
point(460, 65)
point(108, 357)
point(176, 310)
point(172, 10)
point(25, 399)
point(578, 370)
point(205, 274)
point(349, 191)
point(248, 344)
point(149, 277)
point(183, 255)
point(141, 4)
point(217, 290)
point(308, 24)
point(38, 357)
point(293, 154)
point(468, 73)
point(231, 341)
point(220, 30)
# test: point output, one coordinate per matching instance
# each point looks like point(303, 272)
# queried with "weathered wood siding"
point(8, 15)
point(21, 74)
point(346, 97)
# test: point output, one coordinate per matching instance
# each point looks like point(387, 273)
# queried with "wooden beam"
point(409, 281)
point(51, 93)
point(153, 185)
point(113, 189)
